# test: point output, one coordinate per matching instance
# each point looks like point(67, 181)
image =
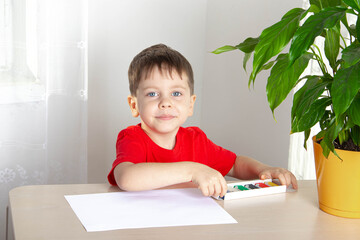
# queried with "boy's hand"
point(285, 177)
point(210, 181)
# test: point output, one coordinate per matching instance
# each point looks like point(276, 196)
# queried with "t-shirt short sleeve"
point(221, 159)
point(216, 157)
point(129, 148)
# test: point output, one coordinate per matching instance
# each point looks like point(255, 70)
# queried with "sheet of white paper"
point(155, 208)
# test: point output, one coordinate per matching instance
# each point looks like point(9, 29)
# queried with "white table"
point(41, 212)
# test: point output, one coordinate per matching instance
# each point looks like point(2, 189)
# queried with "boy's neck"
point(166, 141)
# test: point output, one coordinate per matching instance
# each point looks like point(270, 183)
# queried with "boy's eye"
point(152, 94)
point(176, 94)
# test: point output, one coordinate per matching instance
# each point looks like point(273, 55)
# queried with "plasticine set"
point(253, 188)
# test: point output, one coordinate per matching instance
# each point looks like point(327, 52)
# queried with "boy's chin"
point(167, 130)
point(165, 127)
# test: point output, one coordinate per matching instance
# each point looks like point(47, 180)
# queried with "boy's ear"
point(133, 105)
point(192, 102)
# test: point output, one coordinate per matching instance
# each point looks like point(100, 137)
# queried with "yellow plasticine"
point(271, 184)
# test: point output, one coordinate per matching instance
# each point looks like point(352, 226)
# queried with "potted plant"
point(330, 99)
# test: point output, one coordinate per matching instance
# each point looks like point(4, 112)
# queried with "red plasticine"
point(262, 185)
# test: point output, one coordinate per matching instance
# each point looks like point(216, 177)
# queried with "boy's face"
point(162, 101)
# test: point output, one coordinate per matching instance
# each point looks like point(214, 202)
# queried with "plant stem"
point(343, 39)
point(319, 59)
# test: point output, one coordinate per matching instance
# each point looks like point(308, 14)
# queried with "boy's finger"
point(287, 178)
point(223, 187)
point(282, 179)
point(218, 190)
point(265, 176)
point(204, 190)
point(294, 182)
point(211, 190)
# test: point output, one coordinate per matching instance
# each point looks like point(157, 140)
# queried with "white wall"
point(226, 110)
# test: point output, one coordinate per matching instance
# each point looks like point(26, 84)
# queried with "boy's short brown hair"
point(159, 56)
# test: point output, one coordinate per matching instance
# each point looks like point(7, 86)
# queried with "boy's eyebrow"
point(147, 88)
point(172, 87)
point(179, 86)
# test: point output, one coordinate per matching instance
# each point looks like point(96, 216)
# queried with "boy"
point(158, 152)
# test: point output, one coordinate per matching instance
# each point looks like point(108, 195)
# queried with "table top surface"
point(42, 212)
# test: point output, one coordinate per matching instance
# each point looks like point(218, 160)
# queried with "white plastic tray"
point(252, 192)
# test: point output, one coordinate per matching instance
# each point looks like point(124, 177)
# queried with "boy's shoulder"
point(134, 130)
point(195, 131)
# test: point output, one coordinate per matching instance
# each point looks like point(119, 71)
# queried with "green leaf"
point(326, 120)
point(334, 3)
point(352, 30)
point(320, 135)
point(330, 135)
point(316, 3)
point(311, 116)
point(314, 9)
point(307, 108)
point(332, 46)
point(226, 48)
point(345, 87)
point(325, 3)
point(246, 59)
point(331, 3)
point(268, 65)
point(355, 135)
point(306, 95)
point(342, 137)
point(274, 39)
point(313, 27)
point(351, 55)
point(354, 4)
point(248, 45)
point(326, 148)
point(283, 78)
point(354, 110)
point(306, 137)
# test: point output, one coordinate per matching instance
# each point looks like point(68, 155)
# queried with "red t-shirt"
point(134, 145)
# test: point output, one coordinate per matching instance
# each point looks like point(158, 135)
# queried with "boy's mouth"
point(165, 117)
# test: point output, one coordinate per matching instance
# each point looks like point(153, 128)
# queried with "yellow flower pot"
point(338, 182)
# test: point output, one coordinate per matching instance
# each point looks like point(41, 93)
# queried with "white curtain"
point(43, 94)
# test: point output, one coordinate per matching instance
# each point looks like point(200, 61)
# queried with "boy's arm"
point(147, 176)
point(248, 168)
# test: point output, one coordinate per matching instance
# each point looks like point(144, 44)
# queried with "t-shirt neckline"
point(159, 147)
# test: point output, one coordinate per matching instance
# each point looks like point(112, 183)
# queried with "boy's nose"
point(165, 103)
